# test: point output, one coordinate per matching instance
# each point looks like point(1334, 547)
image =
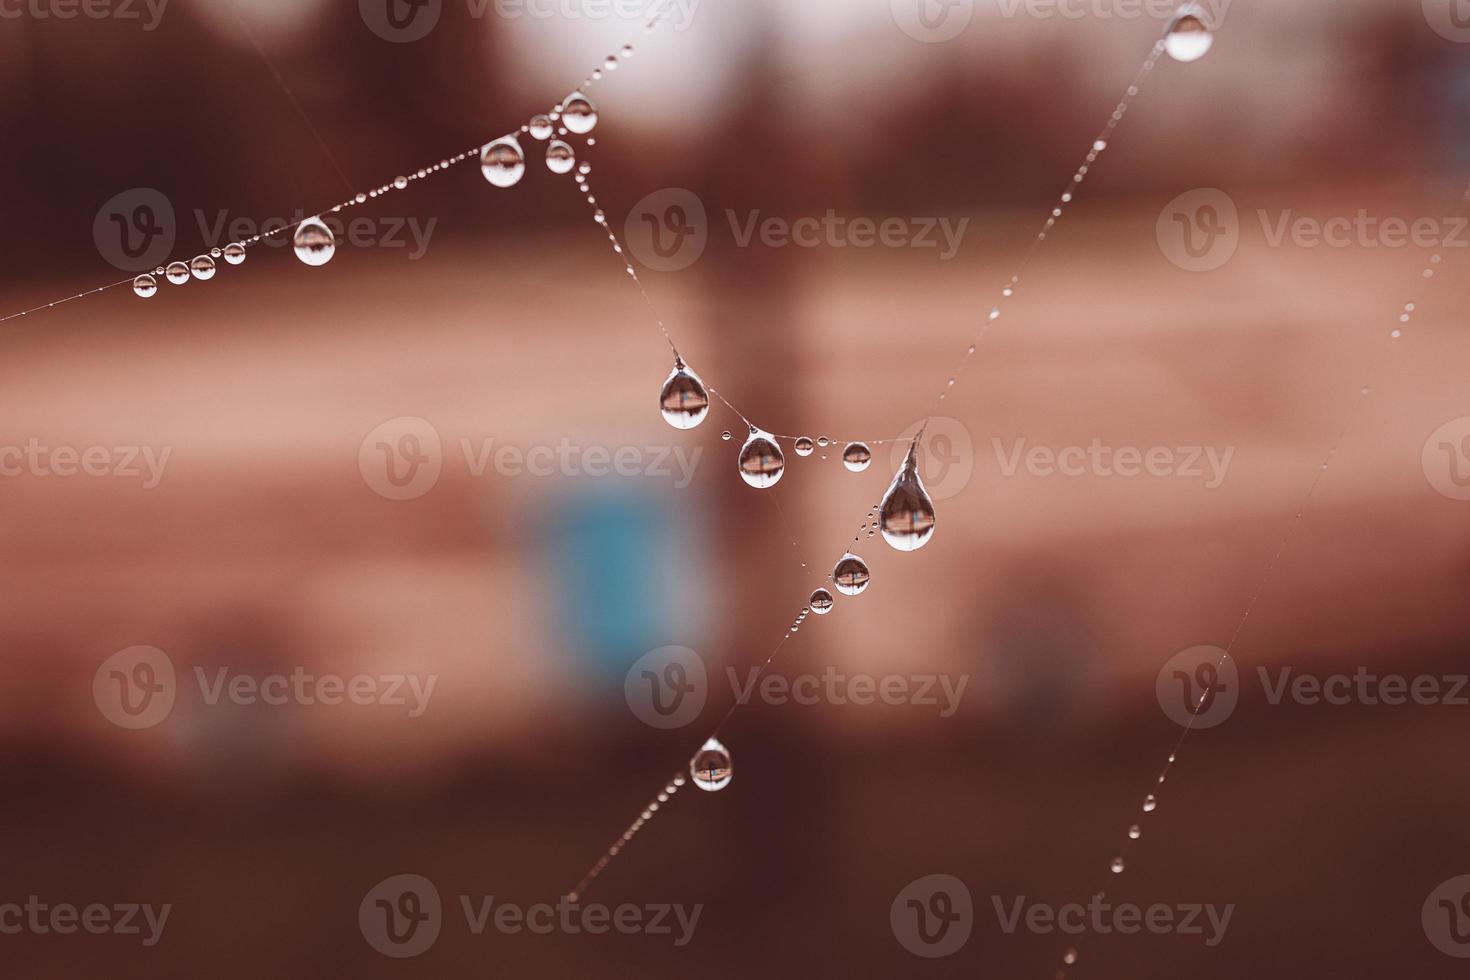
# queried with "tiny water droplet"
point(234, 253)
point(1069, 957)
point(683, 399)
point(856, 457)
point(1150, 804)
point(850, 574)
point(761, 461)
point(907, 513)
point(821, 602)
point(578, 113)
point(502, 162)
point(1188, 37)
point(1135, 832)
point(177, 273)
point(145, 285)
point(805, 446)
point(314, 242)
point(711, 766)
point(560, 157)
point(202, 267)
point(1117, 865)
point(726, 435)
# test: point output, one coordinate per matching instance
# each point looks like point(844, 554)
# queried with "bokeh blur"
point(435, 468)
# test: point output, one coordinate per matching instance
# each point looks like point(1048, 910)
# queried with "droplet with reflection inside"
point(314, 242)
point(805, 446)
point(856, 457)
point(145, 285)
point(850, 574)
point(202, 267)
point(234, 253)
point(821, 602)
point(560, 157)
point(1188, 37)
point(711, 766)
point(906, 514)
point(578, 113)
point(502, 161)
point(761, 461)
point(177, 273)
point(683, 399)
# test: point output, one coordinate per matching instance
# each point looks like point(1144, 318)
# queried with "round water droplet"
point(821, 602)
point(1135, 832)
point(726, 435)
point(1150, 804)
point(502, 162)
point(683, 400)
point(234, 253)
point(907, 514)
point(1117, 866)
point(214, 253)
point(578, 113)
point(1069, 957)
point(560, 157)
point(822, 441)
point(145, 285)
point(850, 574)
point(177, 273)
point(1188, 37)
point(761, 461)
point(805, 447)
point(202, 267)
point(314, 242)
point(856, 457)
point(540, 126)
point(711, 766)
point(400, 182)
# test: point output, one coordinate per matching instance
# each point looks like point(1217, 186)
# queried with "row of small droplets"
point(649, 811)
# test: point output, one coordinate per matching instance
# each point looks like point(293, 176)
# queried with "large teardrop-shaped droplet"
point(578, 113)
point(850, 574)
point(761, 460)
point(711, 766)
point(314, 242)
point(821, 602)
point(907, 514)
point(502, 161)
point(1188, 37)
point(683, 399)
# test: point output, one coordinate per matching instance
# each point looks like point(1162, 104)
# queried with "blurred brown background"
point(264, 546)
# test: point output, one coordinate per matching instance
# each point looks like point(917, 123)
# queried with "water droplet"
point(1188, 37)
point(711, 766)
point(560, 157)
point(1135, 832)
point(234, 253)
point(805, 447)
point(761, 461)
point(683, 400)
point(1069, 957)
point(1150, 804)
point(1117, 865)
point(821, 602)
point(502, 162)
point(314, 242)
point(540, 126)
point(177, 273)
point(907, 513)
point(578, 113)
point(850, 574)
point(145, 285)
point(726, 435)
point(856, 457)
point(202, 267)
